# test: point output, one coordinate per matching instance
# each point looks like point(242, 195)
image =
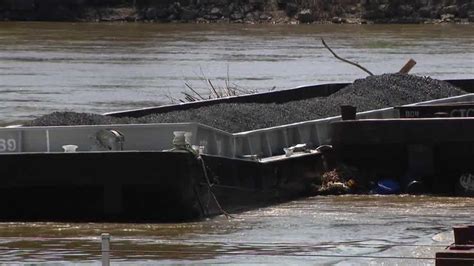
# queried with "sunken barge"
point(186, 171)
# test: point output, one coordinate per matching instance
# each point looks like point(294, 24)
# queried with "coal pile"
point(373, 92)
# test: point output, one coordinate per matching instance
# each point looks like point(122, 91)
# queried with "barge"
point(177, 172)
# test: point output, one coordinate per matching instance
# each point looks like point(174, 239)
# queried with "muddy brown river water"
point(47, 67)
point(342, 230)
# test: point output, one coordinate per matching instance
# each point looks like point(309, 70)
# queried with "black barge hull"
point(436, 151)
point(143, 186)
point(145, 183)
point(98, 186)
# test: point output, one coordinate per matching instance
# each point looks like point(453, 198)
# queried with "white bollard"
point(105, 249)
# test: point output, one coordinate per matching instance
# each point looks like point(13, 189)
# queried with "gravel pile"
point(71, 119)
point(373, 92)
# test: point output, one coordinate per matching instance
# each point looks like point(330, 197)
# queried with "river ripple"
point(47, 67)
point(335, 229)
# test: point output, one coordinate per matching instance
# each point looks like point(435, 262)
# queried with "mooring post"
point(348, 112)
point(105, 249)
point(462, 235)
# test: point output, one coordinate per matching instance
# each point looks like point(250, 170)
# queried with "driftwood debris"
point(345, 60)
point(404, 70)
point(407, 67)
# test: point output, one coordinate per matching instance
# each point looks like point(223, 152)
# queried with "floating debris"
point(370, 93)
point(341, 180)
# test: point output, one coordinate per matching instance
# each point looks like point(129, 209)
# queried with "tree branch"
point(345, 60)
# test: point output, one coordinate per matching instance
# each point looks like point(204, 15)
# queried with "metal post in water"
point(105, 248)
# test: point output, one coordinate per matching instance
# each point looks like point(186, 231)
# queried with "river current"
point(46, 67)
point(87, 67)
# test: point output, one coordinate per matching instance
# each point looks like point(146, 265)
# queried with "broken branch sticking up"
point(345, 60)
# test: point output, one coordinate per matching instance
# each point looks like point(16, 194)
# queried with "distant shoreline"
point(243, 12)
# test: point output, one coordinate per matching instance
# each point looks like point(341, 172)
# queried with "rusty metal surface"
point(461, 252)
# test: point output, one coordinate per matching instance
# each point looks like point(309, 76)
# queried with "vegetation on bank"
point(242, 11)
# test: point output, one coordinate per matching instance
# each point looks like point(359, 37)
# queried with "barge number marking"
point(7, 145)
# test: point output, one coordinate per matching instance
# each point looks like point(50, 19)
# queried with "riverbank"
point(245, 11)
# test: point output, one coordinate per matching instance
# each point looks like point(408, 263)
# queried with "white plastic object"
point(70, 148)
point(179, 138)
point(300, 146)
point(288, 151)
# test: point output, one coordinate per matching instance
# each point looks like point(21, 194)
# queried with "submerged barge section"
point(116, 172)
point(131, 173)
